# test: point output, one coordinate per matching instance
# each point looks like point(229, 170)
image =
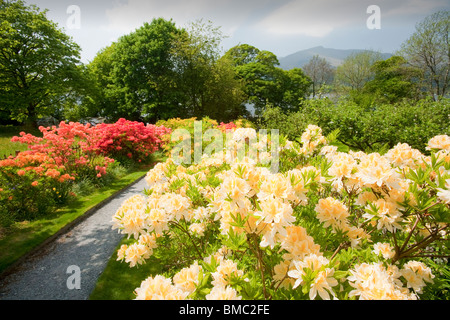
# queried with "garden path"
point(48, 275)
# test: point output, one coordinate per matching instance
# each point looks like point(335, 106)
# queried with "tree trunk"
point(30, 122)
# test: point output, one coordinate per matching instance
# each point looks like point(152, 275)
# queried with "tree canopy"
point(141, 73)
point(205, 79)
point(161, 71)
point(38, 63)
point(393, 80)
point(266, 83)
point(356, 70)
point(320, 71)
point(428, 50)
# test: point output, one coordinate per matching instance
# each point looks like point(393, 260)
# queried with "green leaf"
point(333, 135)
point(441, 213)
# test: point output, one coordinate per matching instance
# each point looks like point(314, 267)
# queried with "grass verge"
point(7, 147)
point(23, 237)
point(118, 281)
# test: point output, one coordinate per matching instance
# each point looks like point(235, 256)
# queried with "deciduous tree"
point(141, 73)
point(38, 62)
point(320, 71)
point(428, 49)
point(266, 83)
point(206, 82)
point(394, 80)
point(356, 70)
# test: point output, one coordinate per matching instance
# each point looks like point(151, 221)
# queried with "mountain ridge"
point(334, 56)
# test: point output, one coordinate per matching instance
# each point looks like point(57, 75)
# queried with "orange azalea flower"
point(52, 173)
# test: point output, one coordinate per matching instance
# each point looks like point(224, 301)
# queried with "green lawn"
point(9, 148)
point(118, 281)
point(22, 237)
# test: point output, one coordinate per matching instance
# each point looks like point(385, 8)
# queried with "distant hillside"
point(334, 56)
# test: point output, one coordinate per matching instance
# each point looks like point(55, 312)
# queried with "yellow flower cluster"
point(376, 282)
point(138, 252)
point(246, 198)
point(323, 281)
point(440, 142)
point(185, 282)
point(444, 194)
point(159, 288)
point(223, 293)
point(380, 182)
point(187, 279)
point(311, 138)
point(223, 272)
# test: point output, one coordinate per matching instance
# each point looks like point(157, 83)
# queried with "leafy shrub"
point(130, 139)
point(344, 225)
point(187, 129)
point(367, 128)
point(73, 146)
point(31, 184)
point(40, 178)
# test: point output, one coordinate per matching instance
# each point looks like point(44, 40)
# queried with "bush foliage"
point(328, 225)
point(367, 128)
point(36, 180)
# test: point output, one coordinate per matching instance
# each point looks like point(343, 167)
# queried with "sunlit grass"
point(7, 147)
point(21, 237)
point(118, 281)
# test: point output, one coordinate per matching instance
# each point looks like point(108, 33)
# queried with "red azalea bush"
point(227, 126)
point(35, 180)
point(31, 184)
point(72, 145)
point(129, 139)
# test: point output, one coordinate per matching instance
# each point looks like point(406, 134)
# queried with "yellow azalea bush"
point(186, 124)
point(188, 127)
point(326, 225)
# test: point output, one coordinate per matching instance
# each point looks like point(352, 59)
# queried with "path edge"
point(10, 269)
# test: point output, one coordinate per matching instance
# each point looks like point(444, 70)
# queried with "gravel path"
point(51, 273)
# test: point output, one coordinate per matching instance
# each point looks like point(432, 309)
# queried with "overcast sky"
point(282, 26)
